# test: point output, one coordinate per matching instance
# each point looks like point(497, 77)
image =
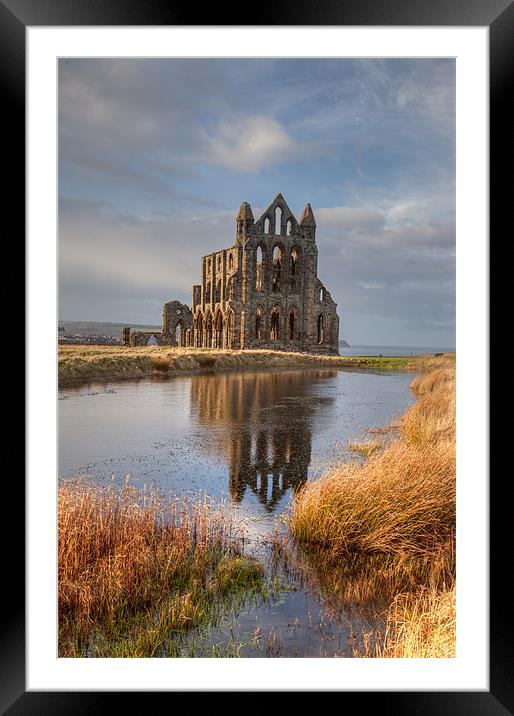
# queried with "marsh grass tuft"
point(419, 625)
point(238, 573)
point(161, 363)
point(135, 570)
point(366, 447)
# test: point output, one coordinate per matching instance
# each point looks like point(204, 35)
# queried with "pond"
point(249, 438)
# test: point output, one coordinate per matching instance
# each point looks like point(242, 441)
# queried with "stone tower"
point(264, 291)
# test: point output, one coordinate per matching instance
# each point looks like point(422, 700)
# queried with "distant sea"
point(392, 350)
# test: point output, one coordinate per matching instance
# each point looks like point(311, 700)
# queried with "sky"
point(156, 156)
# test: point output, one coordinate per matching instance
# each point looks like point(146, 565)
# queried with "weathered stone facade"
point(262, 292)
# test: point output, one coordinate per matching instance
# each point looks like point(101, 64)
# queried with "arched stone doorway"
point(218, 331)
point(208, 331)
point(199, 331)
point(229, 330)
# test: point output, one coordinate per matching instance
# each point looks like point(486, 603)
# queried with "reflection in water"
point(268, 438)
point(257, 436)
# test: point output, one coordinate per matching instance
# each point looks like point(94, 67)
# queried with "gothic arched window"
point(294, 268)
point(275, 325)
point(277, 269)
point(259, 269)
point(278, 221)
point(258, 323)
point(230, 289)
point(320, 329)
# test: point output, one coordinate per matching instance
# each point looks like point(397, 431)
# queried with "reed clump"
point(419, 625)
point(365, 447)
point(161, 363)
point(134, 569)
point(387, 527)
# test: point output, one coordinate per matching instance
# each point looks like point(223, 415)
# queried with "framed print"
point(147, 138)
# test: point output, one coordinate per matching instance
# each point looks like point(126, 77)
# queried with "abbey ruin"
point(262, 292)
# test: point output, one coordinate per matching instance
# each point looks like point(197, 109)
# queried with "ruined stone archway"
point(177, 318)
point(142, 338)
point(179, 334)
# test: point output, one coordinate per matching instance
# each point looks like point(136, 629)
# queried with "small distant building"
point(262, 292)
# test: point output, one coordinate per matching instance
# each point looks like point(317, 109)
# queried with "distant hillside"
point(344, 344)
point(101, 328)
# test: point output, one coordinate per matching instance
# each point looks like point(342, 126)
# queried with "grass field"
point(83, 364)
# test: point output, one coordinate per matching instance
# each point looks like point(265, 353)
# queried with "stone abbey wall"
point(262, 292)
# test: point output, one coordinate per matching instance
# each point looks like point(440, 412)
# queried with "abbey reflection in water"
point(268, 424)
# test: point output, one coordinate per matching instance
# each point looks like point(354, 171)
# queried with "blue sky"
point(155, 157)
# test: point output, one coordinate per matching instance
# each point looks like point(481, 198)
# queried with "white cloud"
point(249, 143)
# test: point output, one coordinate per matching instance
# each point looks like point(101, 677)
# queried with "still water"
point(248, 438)
point(355, 350)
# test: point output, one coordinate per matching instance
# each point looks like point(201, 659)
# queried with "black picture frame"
point(498, 15)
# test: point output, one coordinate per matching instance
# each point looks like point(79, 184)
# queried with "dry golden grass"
point(431, 361)
point(366, 447)
point(420, 625)
point(388, 526)
point(401, 501)
point(133, 569)
point(80, 364)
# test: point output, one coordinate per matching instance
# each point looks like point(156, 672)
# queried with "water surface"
point(249, 438)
